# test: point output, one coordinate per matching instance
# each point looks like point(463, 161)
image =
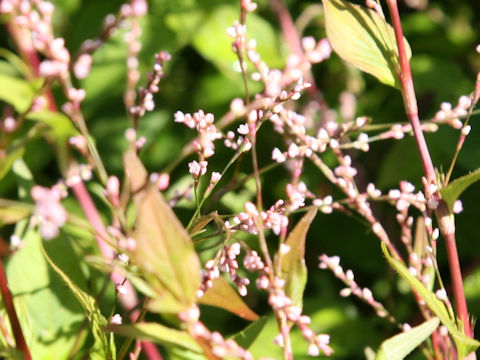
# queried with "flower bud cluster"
point(145, 95)
point(49, 213)
point(224, 262)
point(219, 346)
point(347, 277)
point(207, 131)
point(447, 115)
point(273, 218)
point(283, 305)
point(36, 17)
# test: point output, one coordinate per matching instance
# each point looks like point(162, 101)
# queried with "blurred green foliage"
point(201, 75)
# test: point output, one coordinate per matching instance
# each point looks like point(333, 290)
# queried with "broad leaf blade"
point(157, 333)
point(364, 39)
point(164, 250)
point(17, 92)
point(452, 191)
point(464, 343)
point(399, 346)
point(103, 347)
point(294, 270)
point(223, 296)
point(50, 318)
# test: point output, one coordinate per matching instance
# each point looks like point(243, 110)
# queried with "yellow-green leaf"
point(399, 346)
point(364, 39)
point(157, 333)
point(452, 191)
point(223, 296)
point(103, 346)
point(294, 270)
point(164, 252)
point(464, 344)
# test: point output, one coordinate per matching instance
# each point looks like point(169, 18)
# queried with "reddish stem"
point(12, 315)
point(408, 92)
point(445, 220)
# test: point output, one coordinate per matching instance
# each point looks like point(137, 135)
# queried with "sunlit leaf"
point(164, 250)
point(464, 344)
point(294, 270)
point(364, 39)
point(453, 190)
point(17, 92)
point(103, 346)
point(60, 124)
point(399, 346)
point(157, 333)
point(223, 296)
point(50, 316)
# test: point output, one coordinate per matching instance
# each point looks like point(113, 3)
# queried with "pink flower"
point(49, 212)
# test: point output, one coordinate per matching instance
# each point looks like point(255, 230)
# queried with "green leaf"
point(213, 43)
point(452, 191)
point(60, 124)
point(223, 296)
point(17, 92)
point(399, 346)
point(364, 39)
point(157, 333)
point(6, 162)
point(247, 336)
point(294, 270)
point(50, 314)
point(12, 211)
point(464, 344)
point(164, 252)
point(103, 346)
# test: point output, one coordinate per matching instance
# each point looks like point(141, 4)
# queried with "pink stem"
point(12, 315)
point(445, 219)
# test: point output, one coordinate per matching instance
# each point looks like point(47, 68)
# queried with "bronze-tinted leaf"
point(223, 296)
point(164, 251)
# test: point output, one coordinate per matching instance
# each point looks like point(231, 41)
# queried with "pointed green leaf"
point(247, 336)
point(12, 211)
point(49, 314)
point(364, 39)
point(60, 124)
point(17, 92)
point(399, 346)
point(103, 345)
point(164, 251)
point(6, 161)
point(452, 191)
point(464, 344)
point(157, 333)
point(223, 296)
point(294, 270)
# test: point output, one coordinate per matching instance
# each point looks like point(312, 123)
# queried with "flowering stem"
point(445, 219)
point(12, 315)
point(408, 92)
